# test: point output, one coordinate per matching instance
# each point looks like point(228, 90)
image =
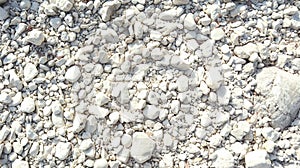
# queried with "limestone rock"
point(142, 147)
point(257, 159)
point(280, 91)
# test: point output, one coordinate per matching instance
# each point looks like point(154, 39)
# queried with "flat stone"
point(73, 74)
point(280, 96)
point(214, 78)
point(240, 129)
point(4, 132)
point(217, 34)
point(142, 147)
point(3, 14)
point(101, 99)
point(28, 105)
point(101, 163)
point(189, 22)
point(62, 150)
point(126, 140)
point(180, 2)
point(79, 122)
point(30, 71)
point(223, 159)
point(257, 159)
point(168, 15)
point(98, 112)
point(182, 83)
point(20, 164)
point(223, 94)
point(35, 37)
point(151, 112)
point(246, 50)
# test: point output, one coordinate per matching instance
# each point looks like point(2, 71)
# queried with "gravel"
point(136, 83)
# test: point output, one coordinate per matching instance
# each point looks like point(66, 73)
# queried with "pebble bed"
point(158, 83)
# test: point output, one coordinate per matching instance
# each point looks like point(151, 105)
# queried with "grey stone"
point(3, 14)
point(257, 159)
point(142, 147)
point(180, 2)
point(279, 92)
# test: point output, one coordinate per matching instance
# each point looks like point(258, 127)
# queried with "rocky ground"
point(158, 83)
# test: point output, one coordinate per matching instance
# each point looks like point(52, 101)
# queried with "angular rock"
point(217, 34)
point(108, 8)
point(62, 150)
point(257, 159)
point(151, 112)
point(73, 74)
point(246, 50)
point(27, 105)
point(223, 159)
point(189, 22)
point(214, 78)
point(142, 147)
point(101, 163)
point(79, 122)
point(35, 37)
point(20, 164)
point(182, 83)
point(281, 95)
point(30, 71)
point(64, 5)
point(3, 14)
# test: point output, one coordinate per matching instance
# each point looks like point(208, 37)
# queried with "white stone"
point(240, 129)
point(126, 140)
point(5, 98)
point(138, 30)
point(217, 34)
point(62, 150)
point(64, 5)
point(25, 4)
point(3, 14)
point(179, 64)
point(35, 37)
point(206, 48)
point(246, 50)
point(108, 9)
point(189, 22)
point(17, 99)
point(214, 78)
point(223, 159)
point(182, 83)
point(168, 14)
point(101, 163)
point(257, 159)
point(224, 95)
point(142, 147)
point(20, 164)
point(55, 22)
point(113, 118)
point(79, 122)
point(151, 112)
point(98, 112)
point(101, 99)
point(28, 105)
point(280, 91)
point(73, 74)
point(5, 130)
point(30, 71)
point(86, 144)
